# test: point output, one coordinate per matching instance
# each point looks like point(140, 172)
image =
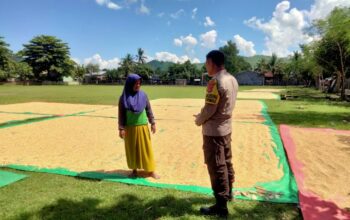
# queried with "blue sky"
point(104, 31)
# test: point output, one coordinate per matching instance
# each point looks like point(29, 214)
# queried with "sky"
point(104, 31)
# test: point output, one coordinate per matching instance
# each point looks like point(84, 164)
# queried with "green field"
point(310, 109)
point(48, 196)
point(92, 94)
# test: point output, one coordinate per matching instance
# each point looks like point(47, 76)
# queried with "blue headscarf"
point(133, 101)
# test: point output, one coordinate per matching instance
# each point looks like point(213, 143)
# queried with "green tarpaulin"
point(7, 178)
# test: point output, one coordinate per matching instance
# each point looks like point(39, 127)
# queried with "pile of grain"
point(257, 95)
point(8, 117)
point(50, 108)
point(92, 144)
point(325, 154)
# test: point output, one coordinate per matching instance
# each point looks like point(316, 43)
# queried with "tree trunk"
point(338, 82)
point(342, 73)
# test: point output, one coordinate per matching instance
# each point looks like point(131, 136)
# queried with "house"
point(268, 78)
point(96, 77)
point(250, 78)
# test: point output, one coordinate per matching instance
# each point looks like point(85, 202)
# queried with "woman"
point(134, 115)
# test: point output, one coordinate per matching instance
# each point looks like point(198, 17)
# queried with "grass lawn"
point(47, 196)
point(310, 109)
point(92, 94)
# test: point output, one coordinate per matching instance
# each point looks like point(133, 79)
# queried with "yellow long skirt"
point(138, 148)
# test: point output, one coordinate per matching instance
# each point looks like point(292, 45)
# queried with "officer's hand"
point(122, 134)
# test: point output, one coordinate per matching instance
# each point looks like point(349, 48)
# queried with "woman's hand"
point(153, 128)
point(122, 133)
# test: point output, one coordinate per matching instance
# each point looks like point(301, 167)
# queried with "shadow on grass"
point(312, 119)
point(305, 93)
point(102, 175)
point(112, 175)
point(312, 95)
point(130, 206)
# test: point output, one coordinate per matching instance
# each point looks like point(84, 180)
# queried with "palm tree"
point(262, 66)
point(273, 63)
point(4, 53)
point(141, 58)
point(127, 65)
point(275, 66)
point(296, 58)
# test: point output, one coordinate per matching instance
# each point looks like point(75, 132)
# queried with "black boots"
point(219, 209)
point(230, 196)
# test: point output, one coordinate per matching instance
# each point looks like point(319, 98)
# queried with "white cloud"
point(194, 13)
point(223, 42)
point(178, 42)
point(166, 56)
point(208, 22)
point(109, 4)
point(209, 39)
point(112, 5)
point(189, 40)
point(104, 64)
point(149, 58)
point(285, 30)
point(177, 14)
point(170, 57)
point(184, 58)
point(143, 8)
point(101, 2)
point(244, 46)
point(321, 8)
point(196, 60)
point(161, 14)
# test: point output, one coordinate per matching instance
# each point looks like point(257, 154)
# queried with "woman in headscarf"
point(134, 115)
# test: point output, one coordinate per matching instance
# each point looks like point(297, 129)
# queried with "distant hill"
point(255, 59)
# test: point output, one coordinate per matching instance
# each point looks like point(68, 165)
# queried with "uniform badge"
point(212, 96)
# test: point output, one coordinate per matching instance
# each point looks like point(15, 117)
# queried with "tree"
point(233, 62)
point(231, 56)
point(272, 64)
point(262, 66)
point(48, 56)
point(243, 65)
point(187, 70)
point(292, 70)
point(333, 51)
point(141, 58)
point(78, 72)
point(275, 65)
point(69, 67)
point(92, 68)
point(127, 65)
point(144, 70)
point(21, 70)
point(113, 75)
point(4, 54)
point(309, 65)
